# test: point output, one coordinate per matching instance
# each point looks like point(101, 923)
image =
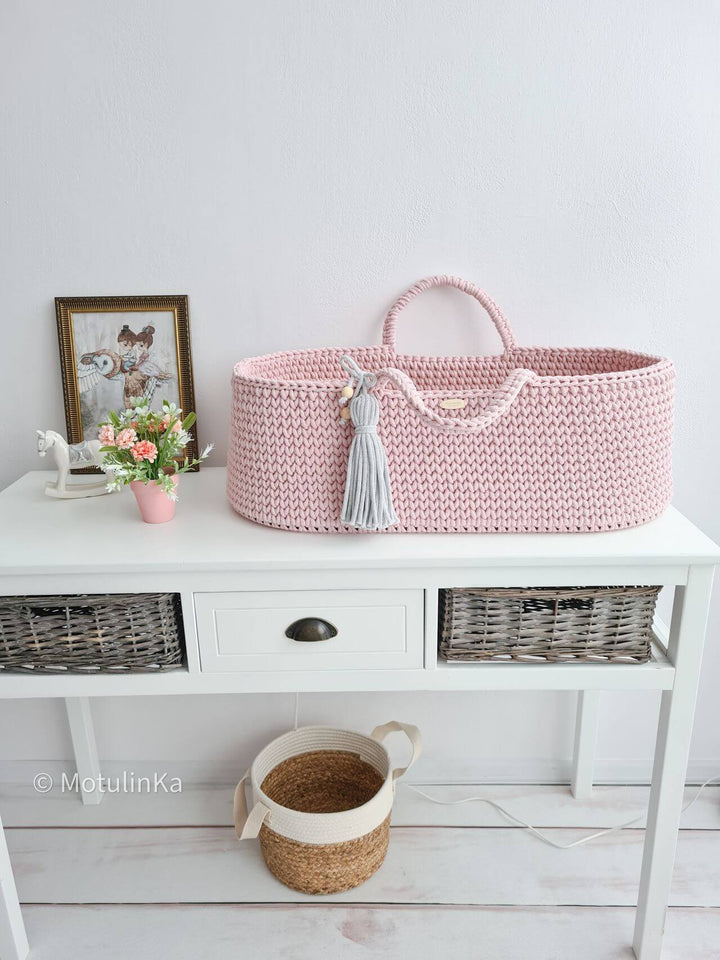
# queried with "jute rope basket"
point(321, 805)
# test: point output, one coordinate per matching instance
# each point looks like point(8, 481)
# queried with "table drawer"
point(373, 630)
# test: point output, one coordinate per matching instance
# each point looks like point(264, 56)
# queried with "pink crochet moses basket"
point(536, 439)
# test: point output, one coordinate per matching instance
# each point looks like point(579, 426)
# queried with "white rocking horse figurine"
point(69, 457)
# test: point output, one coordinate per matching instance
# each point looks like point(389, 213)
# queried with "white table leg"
point(13, 939)
point(84, 746)
point(687, 636)
point(586, 721)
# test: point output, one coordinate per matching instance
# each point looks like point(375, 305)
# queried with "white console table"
point(241, 585)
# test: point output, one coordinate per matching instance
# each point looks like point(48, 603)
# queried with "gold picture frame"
point(104, 359)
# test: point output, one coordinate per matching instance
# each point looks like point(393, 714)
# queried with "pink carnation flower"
point(106, 436)
point(125, 439)
point(165, 423)
point(144, 450)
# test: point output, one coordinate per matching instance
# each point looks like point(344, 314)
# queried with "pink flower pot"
point(154, 504)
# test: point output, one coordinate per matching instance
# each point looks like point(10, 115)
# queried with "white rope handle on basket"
point(247, 826)
point(494, 312)
point(499, 404)
point(413, 735)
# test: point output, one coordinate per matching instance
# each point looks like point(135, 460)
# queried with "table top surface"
point(40, 534)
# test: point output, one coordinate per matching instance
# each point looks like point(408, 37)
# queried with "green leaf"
point(189, 421)
point(114, 418)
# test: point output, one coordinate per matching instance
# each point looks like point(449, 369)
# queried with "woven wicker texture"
point(549, 439)
point(592, 624)
point(112, 633)
point(323, 781)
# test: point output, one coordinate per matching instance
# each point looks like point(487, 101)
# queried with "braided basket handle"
point(499, 403)
point(413, 735)
point(247, 825)
point(493, 310)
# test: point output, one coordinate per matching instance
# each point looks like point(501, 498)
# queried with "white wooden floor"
point(456, 880)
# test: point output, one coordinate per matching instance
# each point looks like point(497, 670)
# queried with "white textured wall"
point(292, 166)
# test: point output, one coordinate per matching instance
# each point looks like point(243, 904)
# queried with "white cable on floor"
point(541, 836)
point(297, 710)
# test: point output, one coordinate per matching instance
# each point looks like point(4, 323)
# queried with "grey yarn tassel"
point(367, 504)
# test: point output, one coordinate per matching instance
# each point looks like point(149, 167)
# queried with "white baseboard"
point(542, 805)
point(530, 771)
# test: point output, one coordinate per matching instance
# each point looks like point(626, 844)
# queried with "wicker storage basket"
point(322, 800)
point(535, 439)
point(589, 624)
point(109, 632)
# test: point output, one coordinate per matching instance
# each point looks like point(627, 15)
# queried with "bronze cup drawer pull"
point(310, 630)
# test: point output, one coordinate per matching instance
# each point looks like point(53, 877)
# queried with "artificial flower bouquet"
point(144, 446)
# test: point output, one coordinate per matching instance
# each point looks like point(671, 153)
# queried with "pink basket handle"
point(499, 403)
point(493, 310)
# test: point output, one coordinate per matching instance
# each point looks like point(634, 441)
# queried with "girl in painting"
point(144, 340)
point(126, 347)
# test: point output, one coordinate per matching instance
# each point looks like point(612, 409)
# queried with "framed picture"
point(115, 348)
